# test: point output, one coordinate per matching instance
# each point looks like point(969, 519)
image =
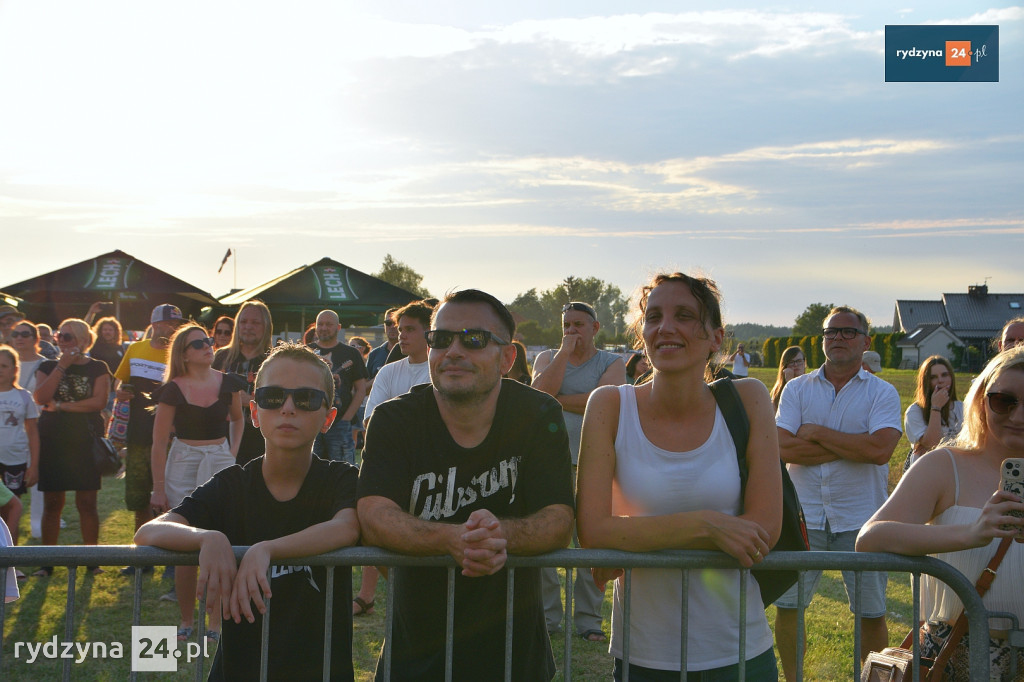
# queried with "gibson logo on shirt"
point(441, 499)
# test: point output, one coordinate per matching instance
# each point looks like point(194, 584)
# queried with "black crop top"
point(192, 422)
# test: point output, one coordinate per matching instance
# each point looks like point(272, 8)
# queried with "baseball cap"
point(6, 310)
point(165, 312)
point(873, 360)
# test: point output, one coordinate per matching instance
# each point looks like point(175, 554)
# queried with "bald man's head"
point(327, 326)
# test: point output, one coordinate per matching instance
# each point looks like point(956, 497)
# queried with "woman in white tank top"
point(949, 504)
point(658, 470)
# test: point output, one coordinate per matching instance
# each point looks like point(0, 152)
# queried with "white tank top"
point(940, 603)
point(650, 481)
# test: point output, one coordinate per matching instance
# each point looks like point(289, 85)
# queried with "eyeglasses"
point(582, 307)
point(65, 337)
point(305, 399)
point(22, 335)
point(846, 332)
point(199, 344)
point(471, 339)
point(1002, 403)
point(222, 332)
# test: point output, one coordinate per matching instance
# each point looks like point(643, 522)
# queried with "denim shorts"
point(872, 583)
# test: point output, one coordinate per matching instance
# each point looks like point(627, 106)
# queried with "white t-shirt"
point(843, 492)
point(740, 363)
point(16, 406)
point(394, 380)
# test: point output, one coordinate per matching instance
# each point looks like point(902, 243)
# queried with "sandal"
point(184, 633)
point(43, 572)
point(365, 607)
point(212, 636)
point(593, 636)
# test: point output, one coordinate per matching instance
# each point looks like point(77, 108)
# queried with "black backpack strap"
point(728, 399)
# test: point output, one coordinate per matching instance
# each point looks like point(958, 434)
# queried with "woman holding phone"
point(949, 505)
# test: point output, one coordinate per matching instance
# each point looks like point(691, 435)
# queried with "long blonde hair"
point(975, 429)
point(179, 344)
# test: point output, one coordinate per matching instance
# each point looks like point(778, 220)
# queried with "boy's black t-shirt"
point(237, 503)
point(521, 467)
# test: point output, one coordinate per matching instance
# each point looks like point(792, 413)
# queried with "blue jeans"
point(759, 668)
point(337, 443)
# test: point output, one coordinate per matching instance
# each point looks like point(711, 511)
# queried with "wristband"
point(936, 409)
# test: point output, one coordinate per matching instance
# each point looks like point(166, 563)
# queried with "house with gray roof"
point(971, 319)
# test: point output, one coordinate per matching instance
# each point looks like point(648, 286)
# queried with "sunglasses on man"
point(305, 399)
point(471, 339)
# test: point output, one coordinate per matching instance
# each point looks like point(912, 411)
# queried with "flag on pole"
point(226, 256)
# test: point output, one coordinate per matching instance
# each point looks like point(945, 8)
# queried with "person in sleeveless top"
point(658, 470)
point(199, 405)
point(949, 505)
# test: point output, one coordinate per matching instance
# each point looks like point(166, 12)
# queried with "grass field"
point(103, 603)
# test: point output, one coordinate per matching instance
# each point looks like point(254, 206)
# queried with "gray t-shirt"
point(582, 379)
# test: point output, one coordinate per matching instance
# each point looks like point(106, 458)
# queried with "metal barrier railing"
point(76, 555)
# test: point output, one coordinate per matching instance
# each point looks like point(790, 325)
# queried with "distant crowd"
point(230, 439)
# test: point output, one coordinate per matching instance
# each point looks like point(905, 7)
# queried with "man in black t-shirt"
point(287, 503)
point(349, 388)
point(478, 468)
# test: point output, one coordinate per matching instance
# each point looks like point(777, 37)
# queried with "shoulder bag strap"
point(960, 627)
point(728, 399)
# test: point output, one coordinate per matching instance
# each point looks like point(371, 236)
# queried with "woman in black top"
point(72, 390)
point(199, 404)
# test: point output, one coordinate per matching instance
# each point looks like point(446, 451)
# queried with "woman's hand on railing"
point(603, 575)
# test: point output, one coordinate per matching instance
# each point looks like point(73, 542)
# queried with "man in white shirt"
point(397, 378)
point(393, 380)
point(838, 426)
point(740, 361)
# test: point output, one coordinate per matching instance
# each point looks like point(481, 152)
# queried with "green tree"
point(401, 275)
point(811, 320)
point(545, 307)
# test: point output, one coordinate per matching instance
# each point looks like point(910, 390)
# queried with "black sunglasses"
point(305, 399)
point(471, 339)
point(66, 338)
point(846, 332)
point(199, 344)
point(582, 307)
point(1002, 403)
point(222, 332)
point(22, 335)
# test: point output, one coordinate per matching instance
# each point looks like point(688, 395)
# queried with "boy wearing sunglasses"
point(287, 503)
point(476, 467)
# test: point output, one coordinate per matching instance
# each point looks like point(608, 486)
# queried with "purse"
point(793, 538)
point(104, 454)
point(894, 663)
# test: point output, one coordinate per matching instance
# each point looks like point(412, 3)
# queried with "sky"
point(506, 146)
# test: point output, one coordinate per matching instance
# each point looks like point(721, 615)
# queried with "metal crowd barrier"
point(73, 556)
